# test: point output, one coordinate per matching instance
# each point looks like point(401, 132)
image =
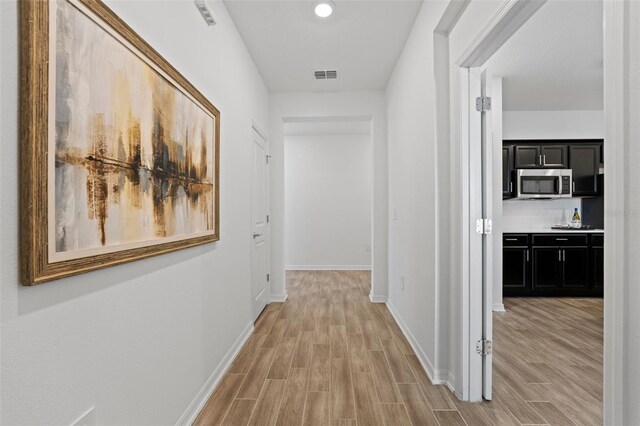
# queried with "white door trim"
point(615, 95)
point(509, 17)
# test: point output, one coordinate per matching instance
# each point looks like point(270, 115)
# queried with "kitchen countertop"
point(550, 231)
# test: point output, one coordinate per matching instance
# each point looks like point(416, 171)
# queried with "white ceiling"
point(362, 40)
point(554, 62)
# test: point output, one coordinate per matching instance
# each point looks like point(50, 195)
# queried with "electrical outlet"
point(402, 283)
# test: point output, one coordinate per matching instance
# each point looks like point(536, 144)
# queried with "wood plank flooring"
point(328, 356)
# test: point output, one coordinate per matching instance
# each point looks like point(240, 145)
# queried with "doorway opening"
point(539, 94)
point(328, 194)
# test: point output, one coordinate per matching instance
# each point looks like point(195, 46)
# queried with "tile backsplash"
point(538, 214)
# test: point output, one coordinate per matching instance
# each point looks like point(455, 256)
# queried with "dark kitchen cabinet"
point(553, 264)
point(561, 269)
point(541, 157)
point(585, 163)
point(583, 157)
point(507, 171)
point(516, 271)
point(575, 268)
point(554, 156)
point(597, 262)
point(547, 268)
point(527, 157)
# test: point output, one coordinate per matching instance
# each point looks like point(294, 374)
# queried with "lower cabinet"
point(547, 268)
point(516, 276)
point(564, 269)
point(575, 268)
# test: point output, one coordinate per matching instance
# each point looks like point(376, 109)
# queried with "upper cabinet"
point(585, 163)
point(583, 157)
point(554, 156)
point(541, 157)
point(507, 171)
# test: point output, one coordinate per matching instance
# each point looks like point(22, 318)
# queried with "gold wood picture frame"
point(119, 152)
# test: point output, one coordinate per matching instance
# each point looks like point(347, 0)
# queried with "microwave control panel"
point(566, 185)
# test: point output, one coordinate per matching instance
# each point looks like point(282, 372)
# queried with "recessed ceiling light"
point(324, 9)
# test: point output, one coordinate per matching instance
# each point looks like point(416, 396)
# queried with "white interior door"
point(489, 236)
point(480, 279)
point(259, 224)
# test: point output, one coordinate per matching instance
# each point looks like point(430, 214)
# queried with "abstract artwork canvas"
point(120, 151)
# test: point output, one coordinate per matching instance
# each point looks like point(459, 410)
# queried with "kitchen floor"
point(328, 356)
point(548, 359)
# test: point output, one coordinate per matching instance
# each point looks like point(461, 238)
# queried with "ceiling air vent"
point(206, 11)
point(325, 75)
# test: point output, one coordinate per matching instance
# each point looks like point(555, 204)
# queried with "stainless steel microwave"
point(543, 183)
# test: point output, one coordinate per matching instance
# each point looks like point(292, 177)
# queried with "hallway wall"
point(139, 341)
point(328, 186)
point(425, 188)
point(414, 194)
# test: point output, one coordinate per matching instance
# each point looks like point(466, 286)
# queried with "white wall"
point(365, 105)
point(136, 341)
point(425, 240)
point(328, 186)
point(414, 194)
point(553, 124)
point(622, 322)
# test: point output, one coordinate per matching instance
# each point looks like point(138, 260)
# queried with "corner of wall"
point(190, 414)
point(436, 376)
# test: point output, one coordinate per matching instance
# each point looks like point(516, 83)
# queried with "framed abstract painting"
point(119, 152)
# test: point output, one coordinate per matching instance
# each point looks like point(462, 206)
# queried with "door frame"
point(255, 128)
point(509, 17)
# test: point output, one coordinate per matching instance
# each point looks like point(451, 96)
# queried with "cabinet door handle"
point(540, 159)
point(527, 255)
point(562, 239)
point(511, 187)
point(544, 160)
point(574, 186)
point(559, 255)
point(511, 239)
point(564, 255)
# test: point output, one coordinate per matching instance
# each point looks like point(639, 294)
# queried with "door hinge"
point(267, 218)
point(483, 347)
point(483, 103)
point(484, 226)
point(268, 277)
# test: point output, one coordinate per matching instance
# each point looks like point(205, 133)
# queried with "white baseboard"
point(203, 396)
point(279, 297)
point(499, 307)
point(378, 298)
point(328, 267)
point(451, 379)
point(437, 377)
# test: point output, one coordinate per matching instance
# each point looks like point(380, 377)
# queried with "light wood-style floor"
point(328, 356)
